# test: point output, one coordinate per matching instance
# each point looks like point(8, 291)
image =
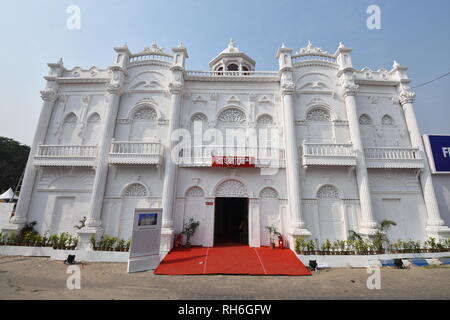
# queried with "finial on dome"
point(341, 45)
point(283, 45)
point(231, 43)
point(180, 45)
point(395, 65)
point(60, 61)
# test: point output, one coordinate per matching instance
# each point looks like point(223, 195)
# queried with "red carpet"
point(232, 259)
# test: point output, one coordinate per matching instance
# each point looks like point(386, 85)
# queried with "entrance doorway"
point(231, 221)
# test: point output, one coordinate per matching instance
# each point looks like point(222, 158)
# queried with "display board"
point(145, 240)
point(438, 152)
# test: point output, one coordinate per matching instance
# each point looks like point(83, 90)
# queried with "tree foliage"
point(13, 158)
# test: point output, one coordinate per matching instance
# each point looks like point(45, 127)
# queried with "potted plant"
point(54, 239)
point(127, 245)
point(93, 242)
point(189, 230)
point(120, 245)
point(300, 244)
point(310, 246)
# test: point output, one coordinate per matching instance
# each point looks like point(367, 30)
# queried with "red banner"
point(224, 161)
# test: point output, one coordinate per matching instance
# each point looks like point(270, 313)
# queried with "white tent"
point(6, 196)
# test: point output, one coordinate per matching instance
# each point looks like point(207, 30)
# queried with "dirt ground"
point(42, 278)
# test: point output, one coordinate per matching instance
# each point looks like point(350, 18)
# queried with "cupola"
point(232, 59)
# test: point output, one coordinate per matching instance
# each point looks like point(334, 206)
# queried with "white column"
point(435, 224)
point(293, 164)
point(93, 221)
point(171, 168)
point(254, 223)
point(20, 218)
point(362, 177)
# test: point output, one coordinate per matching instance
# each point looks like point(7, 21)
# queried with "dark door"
point(231, 221)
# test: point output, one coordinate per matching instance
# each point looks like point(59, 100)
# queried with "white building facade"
point(316, 148)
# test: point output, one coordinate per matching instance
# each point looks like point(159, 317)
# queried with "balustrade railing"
point(328, 150)
point(72, 151)
point(150, 56)
point(231, 73)
point(392, 153)
point(118, 147)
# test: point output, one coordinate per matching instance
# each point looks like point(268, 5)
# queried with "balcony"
point(125, 152)
point(65, 156)
point(319, 154)
point(408, 158)
point(201, 156)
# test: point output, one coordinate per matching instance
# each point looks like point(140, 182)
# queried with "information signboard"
point(438, 152)
point(145, 240)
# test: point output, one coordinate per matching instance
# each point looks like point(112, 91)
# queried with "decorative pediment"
point(200, 99)
point(233, 100)
point(136, 190)
point(265, 99)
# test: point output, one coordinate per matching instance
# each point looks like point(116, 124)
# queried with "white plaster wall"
point(441, 184)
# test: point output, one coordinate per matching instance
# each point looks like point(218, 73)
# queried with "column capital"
point(112, 88)
point(350, 89)
point(406, 96)
point(49, 95)
point(287, 88)
point(175, 88)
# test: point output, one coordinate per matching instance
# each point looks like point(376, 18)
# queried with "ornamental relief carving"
point(145, 113)
point(195, 192)
point(232, 115)
point(318, 115)
point(365, 119)
point(268, 193)
point(232, 188)
point(135, 190)
point(328, 192)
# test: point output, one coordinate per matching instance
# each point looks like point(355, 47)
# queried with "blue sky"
point(415, 33)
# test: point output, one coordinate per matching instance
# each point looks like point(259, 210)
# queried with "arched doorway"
point(131, 196)
point(231, 213)
point(331, 219)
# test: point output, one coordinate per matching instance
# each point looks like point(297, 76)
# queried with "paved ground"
point(42, 278)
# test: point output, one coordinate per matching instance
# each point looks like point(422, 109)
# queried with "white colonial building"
point(315, 148)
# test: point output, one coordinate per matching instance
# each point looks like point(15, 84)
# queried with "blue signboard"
point(438, 150)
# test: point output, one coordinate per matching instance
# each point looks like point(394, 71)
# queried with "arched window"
point(144, 123)
point(245, 71)
point(68, 128)
point(219, 71)
point(387, 120)
point(232, 67)
point(199, 117)
point(92, 131)
point(365, 120)
point(264, 120)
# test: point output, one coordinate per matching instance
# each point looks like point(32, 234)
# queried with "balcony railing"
point(393, 158)
point(214, 74)
point(65, 155)
point(126, 152)
point(201, 156)
point(328, 154)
